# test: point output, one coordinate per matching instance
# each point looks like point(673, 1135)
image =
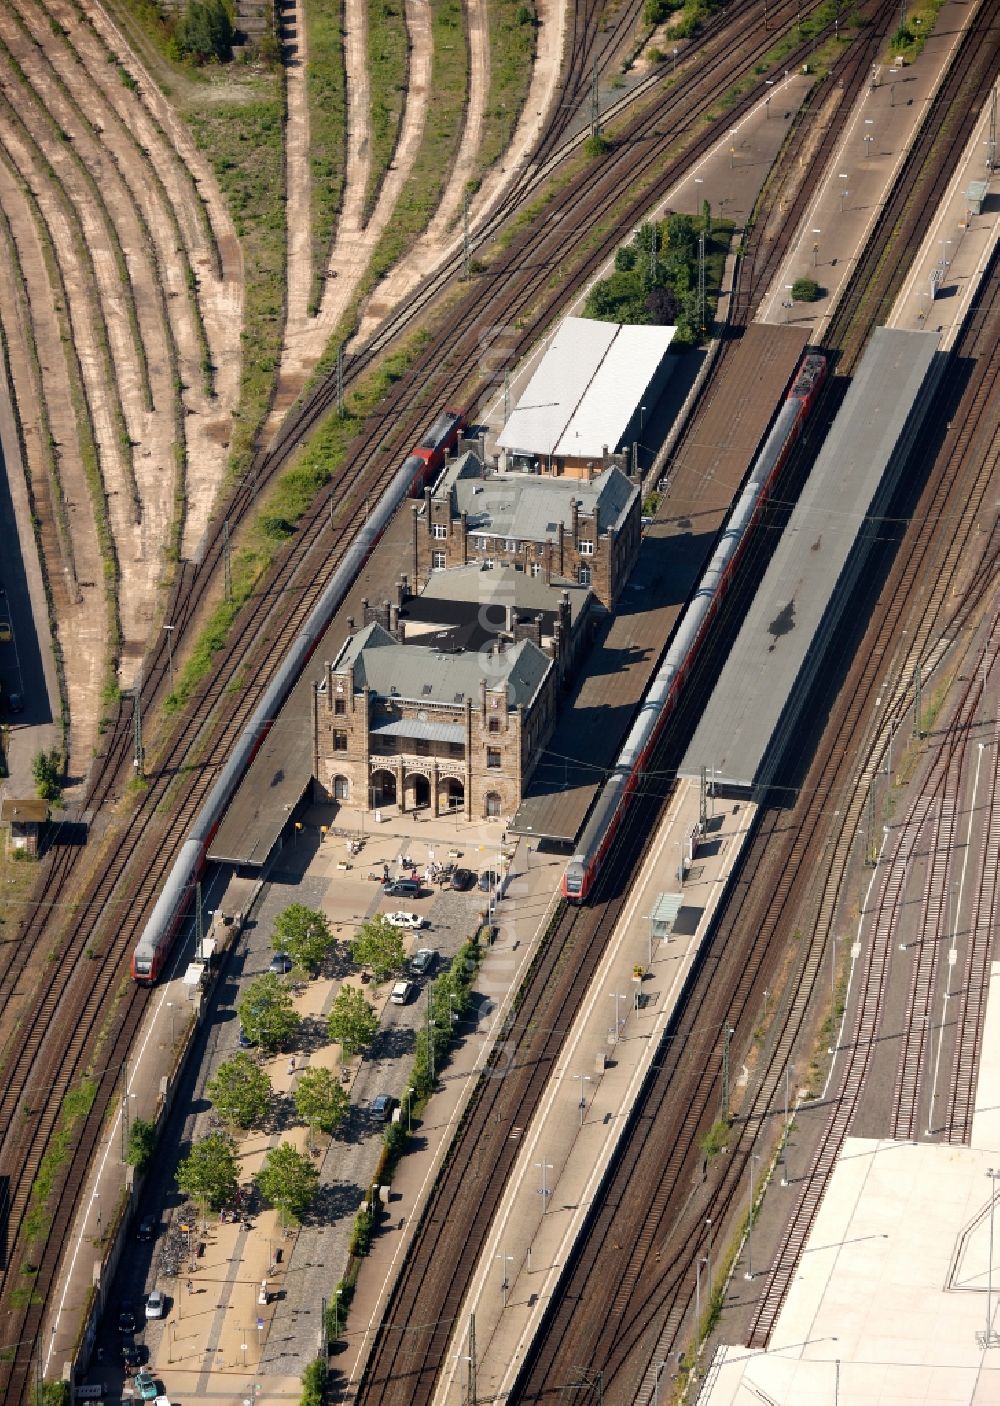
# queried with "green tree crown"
point(321, 1100)
point(241, 1091)
point(266, 1013)
point(352, 1022)
point(304, 934)
point(288, 1180)
point(209, 1173)
point(379, 945)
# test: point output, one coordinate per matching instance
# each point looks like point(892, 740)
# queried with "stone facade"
point(378, 747)
point(575, 544)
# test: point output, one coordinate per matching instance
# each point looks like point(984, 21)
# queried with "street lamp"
point(505, 1282)
point(767, 101)
point(789, 302)
point(170, 654)
point(617, 996)
point(816, 235)
point(170, 1008)
point(336, 1314)
point(584, 1079)
point(673, 67)
point(748, 1273)
point(543, 1190)
point(409, 1105)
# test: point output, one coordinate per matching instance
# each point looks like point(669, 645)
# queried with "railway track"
point(667, 1211)
point(148, 840)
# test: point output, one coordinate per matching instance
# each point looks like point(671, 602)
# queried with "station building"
point(584, 531)
point(412, 726)
point(588, 399)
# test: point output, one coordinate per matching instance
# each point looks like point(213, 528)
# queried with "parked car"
point(126, 1319)
point(281, 963)
point(413, 921)
point(5, 632)
point(243, 1040)
point(382, 1106)
point(146, 1229)
point(422, 963)
point(146, 1385)
point(403, 888)
point(154, 1304)
point(462, 879)
point(401, 993)
point(131, 1356)
point(489, 881)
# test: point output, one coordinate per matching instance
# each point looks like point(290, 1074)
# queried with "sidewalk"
point(566, 1151)
point(522, 916)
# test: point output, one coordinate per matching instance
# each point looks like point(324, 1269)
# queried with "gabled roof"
point(420, 674)
point(529, 508)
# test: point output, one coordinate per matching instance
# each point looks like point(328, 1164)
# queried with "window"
point(493, 805)
point(494, 724)
point(510, 545)
point(493, 758)
point(438, 561)
point(422, 747)
point(536, 569)
point(586, 548)
point(340, 741)
point(340, 706)
point(583, 575)
point(439, 531)
point(489, 563)
point(455, 749)
point(341, 788)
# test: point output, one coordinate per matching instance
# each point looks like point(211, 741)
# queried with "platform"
point(767, 675)
point(701, 483)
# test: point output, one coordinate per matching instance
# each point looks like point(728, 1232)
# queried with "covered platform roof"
point(586, 390)
point(768, 672)
point(709, 466)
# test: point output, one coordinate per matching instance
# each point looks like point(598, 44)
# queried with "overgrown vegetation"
point(512, 27)
point(141, 1144)
point(204, 32)
point(911, 36)
point(326, 98)
point(656, 277)
point(75, 1106)
point(387, 71)
point(243, 139)
point(314, 1384)
point(694, 13)
point(806, 290)
point(47, 773)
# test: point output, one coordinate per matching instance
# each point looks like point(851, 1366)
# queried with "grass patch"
point(282, 506)
point(911, 36)
point(240, 128)
point(75, 1107)
point(388, 62)
point(326, 98)
point(512, 29)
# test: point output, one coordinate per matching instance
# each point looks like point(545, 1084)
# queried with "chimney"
point(509, 619)
point(350, 624)
point(482, 700)
point(574, 518)
point(597, 523)
point(394, 620)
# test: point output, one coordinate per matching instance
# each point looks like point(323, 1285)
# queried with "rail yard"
point(723, 941)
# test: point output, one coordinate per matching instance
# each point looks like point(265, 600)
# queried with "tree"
point(240, 1091)
point(806, 290)
point(141, 1144)
point(288, 1180)
point(352, 1021)
point(304, 934)
point(662, 306)
point(266, 1013)
point(321, 1100)
point(208, 1173)
point(379, 945)
point(205, 31)
point(46, 769)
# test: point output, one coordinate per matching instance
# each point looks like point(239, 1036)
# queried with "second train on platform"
point(689, 637)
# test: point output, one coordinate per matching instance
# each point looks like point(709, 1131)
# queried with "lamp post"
point(505, 1282)
point(409, 1105)
point(789, 302)
point(617, 996)
point(170, 1008)
point(844, 192)
point(748, 1273)
point(336, 1314)
point(543, 1190)
point(767, 101)
point(584, 1079)
point(170, 655)
point(673, 54)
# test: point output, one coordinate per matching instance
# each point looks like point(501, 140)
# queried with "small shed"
point(975, 194)
point(664, 913)
point(25, 819)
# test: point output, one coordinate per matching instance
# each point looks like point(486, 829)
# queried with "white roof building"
point(587, 394)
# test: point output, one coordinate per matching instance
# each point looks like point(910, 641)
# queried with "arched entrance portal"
point(418, 791)
point(494, 805)
point(383, 789)
point(341, 788)
point(451, 794)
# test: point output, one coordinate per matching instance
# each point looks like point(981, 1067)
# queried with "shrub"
point(205, 31)
point(806, 290)
point(313, 1383)
point(47, 772)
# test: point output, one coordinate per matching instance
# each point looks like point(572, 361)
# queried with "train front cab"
point(574, 883)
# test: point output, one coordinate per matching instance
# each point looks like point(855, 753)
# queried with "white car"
point(155, 1305)
point(413, 921)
